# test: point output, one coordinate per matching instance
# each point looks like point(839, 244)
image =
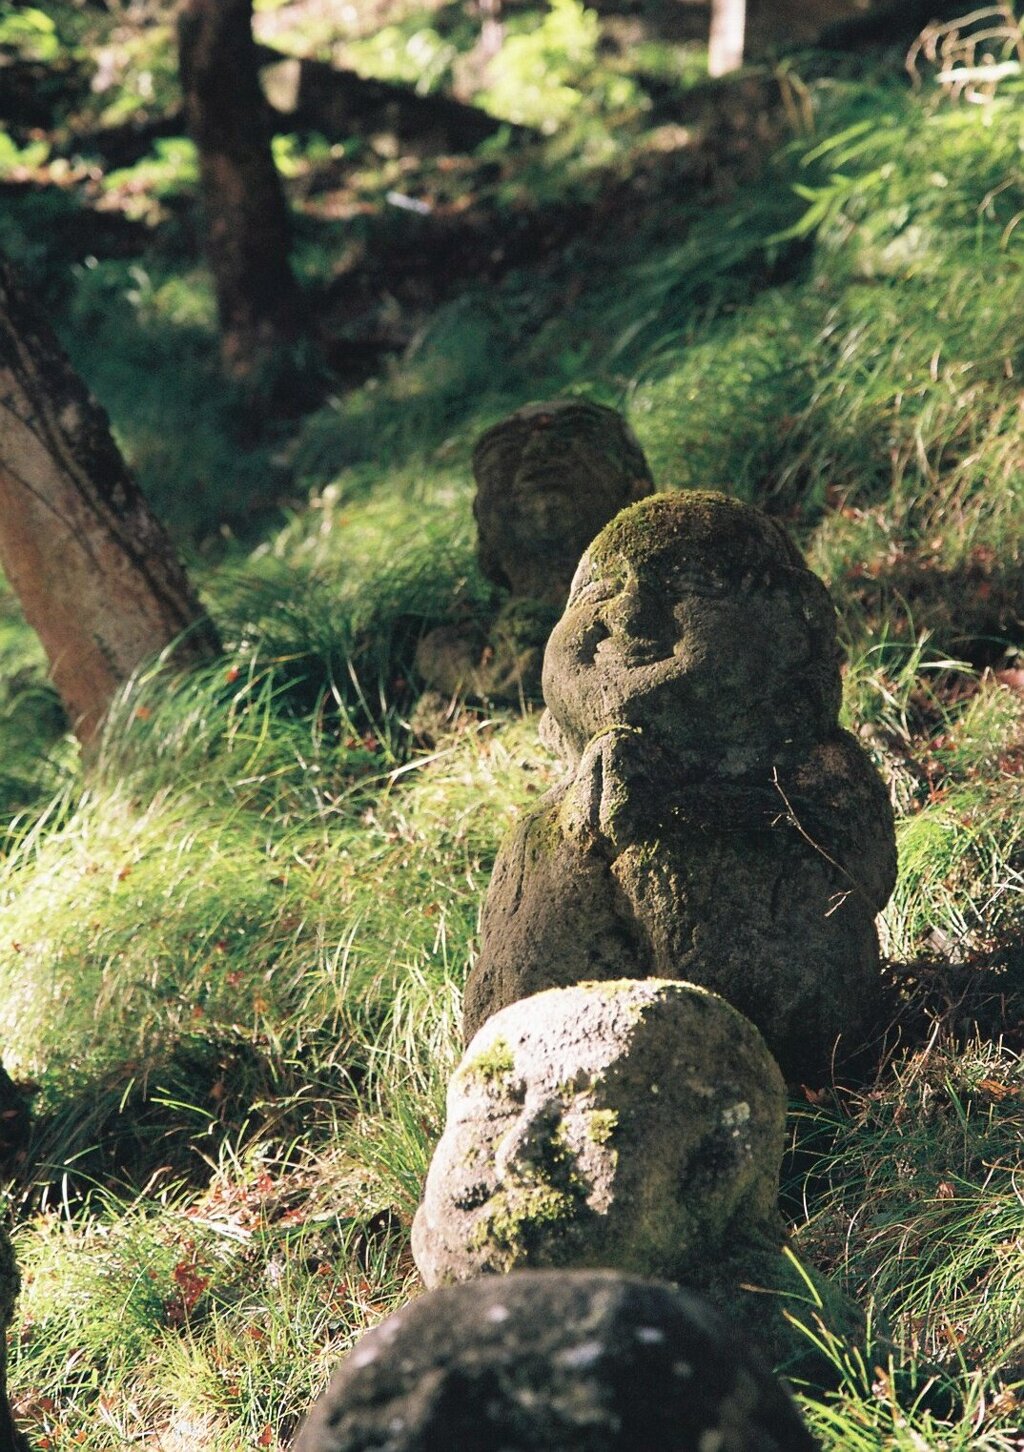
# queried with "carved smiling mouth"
point(630, 654)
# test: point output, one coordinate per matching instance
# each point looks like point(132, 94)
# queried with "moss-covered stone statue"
point(548, 478)
point(716, 825)
point(545, 1361)
point(636, 1125)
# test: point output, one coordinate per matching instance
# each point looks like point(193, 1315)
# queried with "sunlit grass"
point(232, 952)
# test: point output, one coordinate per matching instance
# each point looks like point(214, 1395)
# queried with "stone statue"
point(548, 478)
point(544, 1361)
point(716, 825)
point(636, 1125)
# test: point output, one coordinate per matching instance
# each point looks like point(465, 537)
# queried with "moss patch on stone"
point(712, 523)
point(515, 1219)
point(601, 1124)
point(492, 1065)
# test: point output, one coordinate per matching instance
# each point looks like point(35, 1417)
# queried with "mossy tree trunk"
point(246, 217)
point(728, 27)
point(94, 571)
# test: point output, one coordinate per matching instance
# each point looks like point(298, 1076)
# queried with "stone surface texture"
point(547, 1361)
point(635, 1125)
point(548, 478)
point(716, 825)
point(499, 662)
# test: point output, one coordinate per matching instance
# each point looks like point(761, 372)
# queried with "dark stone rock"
point(554, 1362)
point(718, 826)
point(15, 1119)
point(11, 1440)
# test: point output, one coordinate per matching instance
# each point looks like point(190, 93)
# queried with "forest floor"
point(231, 952)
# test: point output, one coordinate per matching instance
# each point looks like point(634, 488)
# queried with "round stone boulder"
point(635, 1125)
point(554, 1362)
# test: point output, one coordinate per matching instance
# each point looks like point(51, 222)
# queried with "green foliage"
point(29, 33)
point(546, 75)
point(232, 952)
point(145, 337)
point(171, 170)
point(15, 158)
point(413, 53)
point(135, 72)
point(933, 1150)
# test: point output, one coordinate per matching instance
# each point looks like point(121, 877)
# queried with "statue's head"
point(693, 619)
point(636, 1124)
point(548, 478)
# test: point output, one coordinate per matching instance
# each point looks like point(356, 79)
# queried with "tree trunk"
point(94, 571)
point(492, 29)
point(725, 47)
point(247, 231)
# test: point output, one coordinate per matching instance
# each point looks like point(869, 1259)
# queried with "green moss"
point(491, 1066)
point(697, 524)
point(601, 1124)
point(547, 833)
point(515, 1216)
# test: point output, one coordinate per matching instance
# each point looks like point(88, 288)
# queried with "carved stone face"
point(548, 478)
point(693, 619)
point(631, 1124)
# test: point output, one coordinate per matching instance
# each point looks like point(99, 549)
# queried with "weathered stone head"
point(548, 478)
point(693, 618)
point(548, 1361)
point(635, 1124)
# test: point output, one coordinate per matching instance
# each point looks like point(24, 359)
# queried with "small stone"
point(457, 1377)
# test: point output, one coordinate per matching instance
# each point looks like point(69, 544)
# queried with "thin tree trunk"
point(728, 25)
point(492, 29)
point(11, 1440)
point(247, 229)
point(94, 571)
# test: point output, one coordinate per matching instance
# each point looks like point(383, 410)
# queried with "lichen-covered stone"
point(548, 478)
point(717, 825)
point(635, 1125)
point(551, 1361)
